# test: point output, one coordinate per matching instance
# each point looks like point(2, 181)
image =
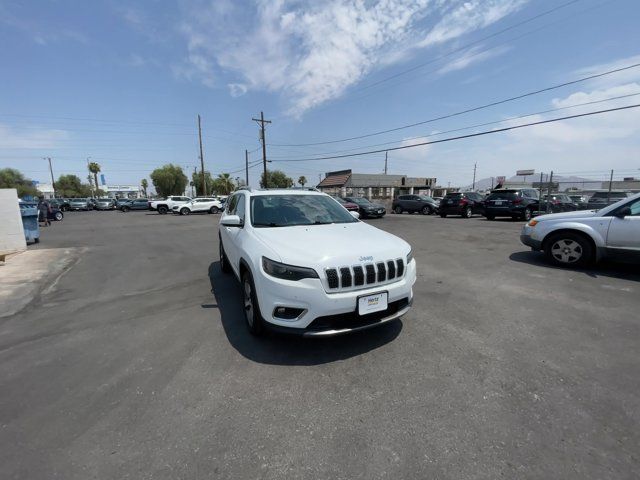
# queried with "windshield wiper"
point(267, 225)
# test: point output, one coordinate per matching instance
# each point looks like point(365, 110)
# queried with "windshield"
point(292, 210)
point(502, 196)
point(606, 195)
point(79, 200)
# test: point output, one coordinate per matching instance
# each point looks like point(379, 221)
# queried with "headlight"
point(532, 223)
point(409, 257)
point(287, 272)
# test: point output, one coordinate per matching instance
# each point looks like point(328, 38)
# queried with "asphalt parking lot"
point(136, 364)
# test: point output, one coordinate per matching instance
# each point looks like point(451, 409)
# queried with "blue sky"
point(122, 83)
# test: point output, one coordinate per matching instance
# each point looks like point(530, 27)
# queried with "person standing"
point(44, 208)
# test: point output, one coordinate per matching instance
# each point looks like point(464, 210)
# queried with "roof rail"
point(245, 187)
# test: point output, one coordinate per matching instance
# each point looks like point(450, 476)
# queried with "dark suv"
point(557, 203)
point(414, 203)
point(603, 199)
point(464, 204)
point(519, 203)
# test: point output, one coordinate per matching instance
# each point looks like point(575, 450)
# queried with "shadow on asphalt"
point(625, 271)
point(279, 349)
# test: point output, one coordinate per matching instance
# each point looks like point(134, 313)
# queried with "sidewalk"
point(25, 275)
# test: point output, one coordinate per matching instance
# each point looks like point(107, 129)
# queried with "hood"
point(566, 215)
point(332, 245)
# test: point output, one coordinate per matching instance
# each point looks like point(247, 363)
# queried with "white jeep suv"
point(198, 205)
point(308, 266)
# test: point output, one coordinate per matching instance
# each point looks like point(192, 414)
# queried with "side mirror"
point(231, 221)
point(623, 212)
point(354, 214)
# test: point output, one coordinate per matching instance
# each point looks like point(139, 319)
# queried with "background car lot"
point(504, 367)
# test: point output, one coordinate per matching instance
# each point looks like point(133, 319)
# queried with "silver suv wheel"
point(566, 251)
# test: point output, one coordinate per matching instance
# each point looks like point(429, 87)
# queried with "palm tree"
point(94, 168)
point(302, 180)
point(225, 183)
point(144, 184)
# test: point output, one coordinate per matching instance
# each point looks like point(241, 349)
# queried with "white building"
point(122, 191)
point(45, 188)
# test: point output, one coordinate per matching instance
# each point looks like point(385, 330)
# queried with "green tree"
point(12, 178)
point(223, 185)
point(94, 168)
point(196, 181)
point(72, 186)
point(276, 179)
point(169, 180)
point(302, 180)
point(144, 184)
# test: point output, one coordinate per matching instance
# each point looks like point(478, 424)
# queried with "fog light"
point(287, 313)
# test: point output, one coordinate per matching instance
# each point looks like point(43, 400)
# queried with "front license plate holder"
point(376, 302)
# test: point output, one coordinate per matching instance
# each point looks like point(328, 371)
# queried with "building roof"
point(335, 180)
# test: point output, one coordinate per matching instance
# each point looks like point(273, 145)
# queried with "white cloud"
point(472, 56)
point(625, 76)
point(12, 138)
point(237, 89)
point(311, 52)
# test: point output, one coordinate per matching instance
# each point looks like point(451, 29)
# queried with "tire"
point(398, 210)
point(224, 263)
point(490, 217)
point(568, 250)
point(184, 211)
point(163, 209)
point(468, 213)
point(426, 211)
point(526, 216)
point(252, 317)
point(58, 216)
point(125, 209)
point(443, 215)
point(214, 210)
point(36, 240)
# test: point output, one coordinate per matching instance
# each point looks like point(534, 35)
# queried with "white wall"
point(11, 231)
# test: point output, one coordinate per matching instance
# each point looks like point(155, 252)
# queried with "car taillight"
point(463, 202)
point(556, 202)
point(517, 201)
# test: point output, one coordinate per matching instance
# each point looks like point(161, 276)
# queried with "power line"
point(477, 125)
point(471, 135)
point(469, 110)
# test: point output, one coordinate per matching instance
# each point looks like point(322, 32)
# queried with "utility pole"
point(385, 162)
point(262, 121)
point(473, 188)
point(246, 166)
point(204, 183)
point(549, 190)
point(540, 194)
point(319, 177)
point(610, 182)
point(491, 183)
point(53, 183)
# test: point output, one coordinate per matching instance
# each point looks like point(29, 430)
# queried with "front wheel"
point(214, 210)
point(184, 211)
point(398, 210)
point(125, 209)
point(468, 213)
point(526, 216)
point(490, 217)
point(426, 211)
point(251, 309)
point(59, 216)
point(568, 249)
point(162, 209)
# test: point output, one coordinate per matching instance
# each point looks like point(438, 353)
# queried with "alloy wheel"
point(566, 251)
point(248, 302)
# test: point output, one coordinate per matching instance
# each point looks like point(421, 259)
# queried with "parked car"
point(352, 207)
point(166, 205)
point(105, 204)
point(199, 205)
point(557, 203)
point(515, 203)
point(55, 213)
point(122, 201)
point(60, 203)
point(136, 204)
point(414, 203)
point(579, 238)
point(464, 204)
point(80, 204)
point(581, 201)
point(602, 199)
point(437, 200)
point(366, 209)
point(293, 252)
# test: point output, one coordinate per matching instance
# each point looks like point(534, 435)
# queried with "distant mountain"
point(565, 182)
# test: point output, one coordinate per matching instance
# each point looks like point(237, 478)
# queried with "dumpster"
point(30, 223)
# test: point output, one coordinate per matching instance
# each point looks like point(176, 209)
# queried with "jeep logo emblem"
point(366, 259)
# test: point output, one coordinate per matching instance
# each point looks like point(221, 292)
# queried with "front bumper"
point(528, 236)
point(327, 314)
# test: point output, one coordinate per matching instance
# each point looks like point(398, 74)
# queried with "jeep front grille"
point(361, 276)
